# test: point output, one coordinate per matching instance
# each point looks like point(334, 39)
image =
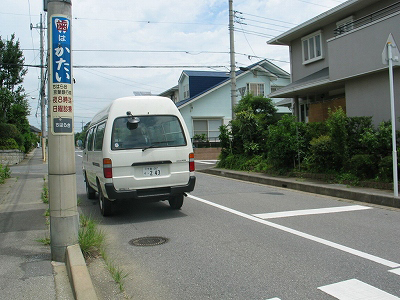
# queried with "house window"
point(256, 89)
point(209, 127)
point(186, 93)
point(312, 47)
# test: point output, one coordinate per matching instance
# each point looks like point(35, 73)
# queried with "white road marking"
point(328, 210)
point(79, 155)
point(358, 253)
point(395, 271)
point(274, 299)
point(354, 289)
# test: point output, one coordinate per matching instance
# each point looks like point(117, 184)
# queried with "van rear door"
point(148, 152)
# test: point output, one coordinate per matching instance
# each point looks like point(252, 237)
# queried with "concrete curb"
point(78, 274)
point(310, 187)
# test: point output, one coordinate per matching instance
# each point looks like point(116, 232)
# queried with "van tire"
point(104, 203)
point(176, 201)
point(90, 192)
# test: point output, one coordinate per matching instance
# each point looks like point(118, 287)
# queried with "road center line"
point(305, 212)
point(302, 234)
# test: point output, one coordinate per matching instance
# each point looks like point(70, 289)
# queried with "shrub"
point(385, 169)
point(225, 140)
point(356, 127)
point(321, 155)
point(233, 162)
point(4, 173)
point(363, 166)
point(285, 142)
point(8, 144)
point(337, 124)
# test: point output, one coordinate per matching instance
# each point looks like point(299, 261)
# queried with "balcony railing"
point(379, 14)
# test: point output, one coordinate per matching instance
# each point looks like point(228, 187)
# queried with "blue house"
point(204, 97)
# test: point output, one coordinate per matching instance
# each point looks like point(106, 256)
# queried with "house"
point(205, 96)
point(336, 60)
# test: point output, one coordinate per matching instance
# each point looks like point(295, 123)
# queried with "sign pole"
point(391, 86)
point(64, 217)
point(390, 56)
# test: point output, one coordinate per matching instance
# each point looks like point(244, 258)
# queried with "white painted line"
point(358, 253)
point(395, 271)
point(274, 299)
point(305, 212)
point(354, 289)
point(79, 155)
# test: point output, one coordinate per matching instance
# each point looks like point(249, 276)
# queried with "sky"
point(161, 37)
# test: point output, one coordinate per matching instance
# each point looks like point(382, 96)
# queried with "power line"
point(242, 13)
point(149, 21)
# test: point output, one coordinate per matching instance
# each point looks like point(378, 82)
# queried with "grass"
point(90, 238)
point(116, 273)
point(44, 241)
point(45, 192)
point(5, 173)
point(91, 241)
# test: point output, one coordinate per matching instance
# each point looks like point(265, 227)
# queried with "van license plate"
point(151, 171)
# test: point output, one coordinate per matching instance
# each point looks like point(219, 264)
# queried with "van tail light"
point(191, 162)
point(107, 168)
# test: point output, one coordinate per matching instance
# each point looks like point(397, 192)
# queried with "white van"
point(138, 148)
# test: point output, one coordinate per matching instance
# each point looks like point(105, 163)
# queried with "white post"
point(395, 180)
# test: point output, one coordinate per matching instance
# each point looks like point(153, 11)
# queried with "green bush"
point(321, 155)
point(356, 127)
point(8, 144)
point(337, 125)
point(285, 143)
point(5, 173)
point(363, 166)
point(385, 169)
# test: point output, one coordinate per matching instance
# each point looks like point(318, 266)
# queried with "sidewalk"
point(27, 271)
point(367, 195)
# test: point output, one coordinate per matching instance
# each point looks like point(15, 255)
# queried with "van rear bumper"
point(162, 193)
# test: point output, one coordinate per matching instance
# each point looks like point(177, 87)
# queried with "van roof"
point(137, 105)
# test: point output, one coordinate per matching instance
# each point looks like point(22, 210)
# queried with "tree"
point(13, 103)
point(11, 77)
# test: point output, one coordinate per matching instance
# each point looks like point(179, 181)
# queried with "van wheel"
point(90, 192)
point(104, 203)
point(176, 201)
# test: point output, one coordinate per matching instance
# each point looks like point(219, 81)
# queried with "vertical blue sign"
point(61, 40)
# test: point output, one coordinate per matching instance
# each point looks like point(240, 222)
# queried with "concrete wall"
point(369, 96)
point(359, 51)
point(11, 157)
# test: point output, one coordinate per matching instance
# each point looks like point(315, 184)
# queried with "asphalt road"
point(239, 240)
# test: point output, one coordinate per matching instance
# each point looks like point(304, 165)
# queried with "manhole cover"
point(148, 241)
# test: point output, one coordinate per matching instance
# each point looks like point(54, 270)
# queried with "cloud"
point(197, 26)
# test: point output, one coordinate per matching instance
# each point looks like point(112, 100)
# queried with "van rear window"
point(143, 132)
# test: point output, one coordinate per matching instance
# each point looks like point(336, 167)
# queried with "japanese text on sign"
point(60, 82)
point(61, 39)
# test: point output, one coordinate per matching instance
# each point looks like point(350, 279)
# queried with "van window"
point(151, 131)
point(89, 139)
point(98, 137)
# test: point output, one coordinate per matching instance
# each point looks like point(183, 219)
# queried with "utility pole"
point(42, 94)
point(232, 58)
point(64, 217)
